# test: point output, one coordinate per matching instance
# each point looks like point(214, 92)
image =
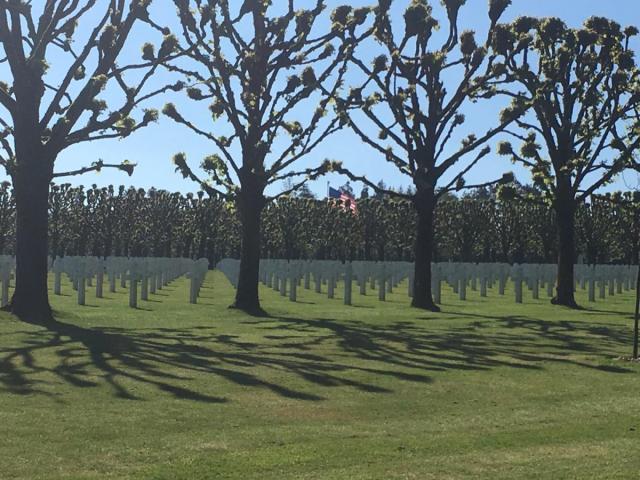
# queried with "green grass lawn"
point(486, 390)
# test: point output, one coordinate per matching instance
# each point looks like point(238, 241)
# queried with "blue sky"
point(152, 148)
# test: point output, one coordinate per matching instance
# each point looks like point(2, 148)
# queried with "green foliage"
point(507, 224)
point(131, 222)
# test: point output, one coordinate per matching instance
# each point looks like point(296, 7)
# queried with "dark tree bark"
point(565, 219)
point(425, 204)
point(30, 300)
point(31, 177)
point(250, 203)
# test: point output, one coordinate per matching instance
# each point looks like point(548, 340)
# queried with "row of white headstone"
point(146, 275)
point(286, 276)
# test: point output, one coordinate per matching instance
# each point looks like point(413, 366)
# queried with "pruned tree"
point(285, 228)
point(415, 95)
point(594, 225)
point(49, 106)
point(464, 225)
point(258, 65)
point(577, 83)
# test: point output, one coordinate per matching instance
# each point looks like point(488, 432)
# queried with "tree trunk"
point(565, 219)
point(250, 205)
point(30, 299)
point(425, 204)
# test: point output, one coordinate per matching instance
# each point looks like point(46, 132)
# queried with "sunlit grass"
point(486, 389)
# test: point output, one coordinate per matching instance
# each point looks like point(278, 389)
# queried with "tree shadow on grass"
point(167, 359)
point(489, 342)
point(321, 352)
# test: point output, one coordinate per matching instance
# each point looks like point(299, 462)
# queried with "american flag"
point(347, 199)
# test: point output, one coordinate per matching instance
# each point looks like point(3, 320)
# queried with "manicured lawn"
point(487, 389)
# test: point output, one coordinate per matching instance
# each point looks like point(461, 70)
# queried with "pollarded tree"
point(415, 96)
point(400, 216)
point(49, 106)
point(595, 223)
point(577, 84)
point(60, 218)
point(284, 228)
point(368, 216)
point(104, 220)
point(259, 66)
point(543, 239)
point(623, 223)
point(463, 224)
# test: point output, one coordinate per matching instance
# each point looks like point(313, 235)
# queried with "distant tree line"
point(471, 228)
point(108, 221)
point(105, 221)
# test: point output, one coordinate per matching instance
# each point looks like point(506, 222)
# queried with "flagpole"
point(328, 189)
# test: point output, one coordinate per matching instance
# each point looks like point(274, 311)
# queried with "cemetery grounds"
point(487, 389)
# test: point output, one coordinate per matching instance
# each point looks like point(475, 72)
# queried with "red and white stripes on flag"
point(347, 200)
